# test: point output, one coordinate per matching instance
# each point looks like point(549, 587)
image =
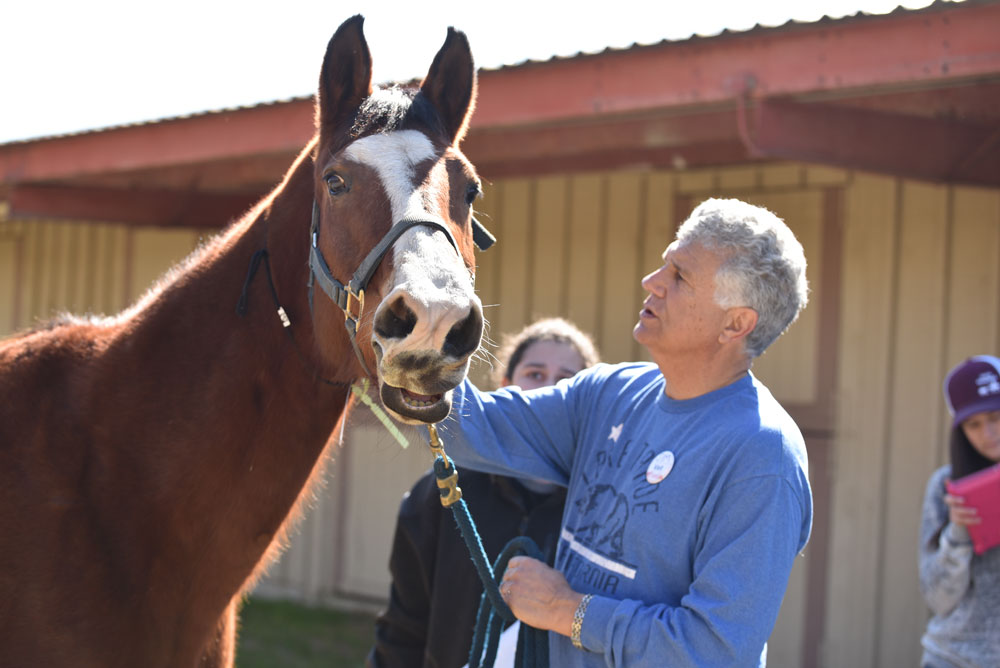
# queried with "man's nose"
point(653, 282)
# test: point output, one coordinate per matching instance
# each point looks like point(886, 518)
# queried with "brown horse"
point(148, 461)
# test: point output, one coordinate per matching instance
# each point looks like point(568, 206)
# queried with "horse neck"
point(239, 417)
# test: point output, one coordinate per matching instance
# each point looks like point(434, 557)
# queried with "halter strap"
point(341, 294)
point(481, 236)
point(337, 291)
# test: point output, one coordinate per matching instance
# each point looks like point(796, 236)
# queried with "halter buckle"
point(359, 299)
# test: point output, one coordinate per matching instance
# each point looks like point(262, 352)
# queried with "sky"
point(68, 66)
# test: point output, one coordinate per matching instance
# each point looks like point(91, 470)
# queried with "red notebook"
point(982, 491)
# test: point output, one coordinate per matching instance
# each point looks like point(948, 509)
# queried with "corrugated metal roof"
point(166, 119)
point(791, 24)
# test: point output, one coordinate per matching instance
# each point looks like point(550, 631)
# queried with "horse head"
point(389, 176)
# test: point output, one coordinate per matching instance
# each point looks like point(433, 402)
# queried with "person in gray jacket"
point(961, 588)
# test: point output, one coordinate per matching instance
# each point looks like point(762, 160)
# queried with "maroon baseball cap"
point(973, 387)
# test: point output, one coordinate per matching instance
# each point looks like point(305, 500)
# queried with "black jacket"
point(435, 588)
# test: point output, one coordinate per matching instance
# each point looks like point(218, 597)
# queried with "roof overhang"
point(822, 92)
point(912, 93)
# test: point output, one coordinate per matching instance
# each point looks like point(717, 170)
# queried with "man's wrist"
point(564, 611)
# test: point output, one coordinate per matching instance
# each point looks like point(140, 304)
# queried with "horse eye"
point(336, 184)
point(472, 193)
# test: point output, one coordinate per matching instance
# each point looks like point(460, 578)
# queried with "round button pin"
point(660, 467)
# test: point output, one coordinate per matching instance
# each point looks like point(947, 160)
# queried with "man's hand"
point(539, 595)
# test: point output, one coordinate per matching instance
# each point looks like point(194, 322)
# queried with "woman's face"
point(983, 431)
point(545, 363)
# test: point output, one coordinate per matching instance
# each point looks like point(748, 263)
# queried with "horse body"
point(148, 462)
point(182, 471)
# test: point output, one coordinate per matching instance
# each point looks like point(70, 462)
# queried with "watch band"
point(577, 625)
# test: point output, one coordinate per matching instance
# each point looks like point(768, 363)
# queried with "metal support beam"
point(138, 207)
point(935, 149)
point(242, 133)
point(652, 140)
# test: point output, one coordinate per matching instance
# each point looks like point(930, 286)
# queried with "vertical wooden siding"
point(574, 246)
point(921, 292)
point(917, 289)
point(52, 267)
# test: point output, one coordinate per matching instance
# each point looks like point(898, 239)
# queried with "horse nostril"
point(463, 339)
point(396, 321)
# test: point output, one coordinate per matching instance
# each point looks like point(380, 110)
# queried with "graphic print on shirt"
point(604, 513)
point(615, 489)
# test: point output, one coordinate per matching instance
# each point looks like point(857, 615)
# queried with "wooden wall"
point(50, 267)
point(905, 283)
point(921, 291)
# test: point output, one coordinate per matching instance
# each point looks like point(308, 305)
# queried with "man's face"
point(680, 316)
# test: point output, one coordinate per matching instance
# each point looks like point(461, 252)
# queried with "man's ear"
point(740, 321)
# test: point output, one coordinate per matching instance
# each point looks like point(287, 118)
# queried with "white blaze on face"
point(395, 156)
point(428, 270)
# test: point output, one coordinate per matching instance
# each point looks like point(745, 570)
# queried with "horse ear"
point(346, 78)
point(450, 84)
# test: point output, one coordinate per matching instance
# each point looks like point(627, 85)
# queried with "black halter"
point(342, 295)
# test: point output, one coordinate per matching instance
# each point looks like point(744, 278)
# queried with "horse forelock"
point(396, 108)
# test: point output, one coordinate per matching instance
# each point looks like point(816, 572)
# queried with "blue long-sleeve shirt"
point(683, 517)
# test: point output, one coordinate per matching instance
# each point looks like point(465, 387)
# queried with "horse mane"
point(211, 245)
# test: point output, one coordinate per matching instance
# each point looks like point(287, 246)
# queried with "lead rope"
point(532, 643)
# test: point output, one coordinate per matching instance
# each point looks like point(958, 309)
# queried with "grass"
point(279, 634)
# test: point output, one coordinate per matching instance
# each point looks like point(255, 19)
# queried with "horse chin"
point(413, 408)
